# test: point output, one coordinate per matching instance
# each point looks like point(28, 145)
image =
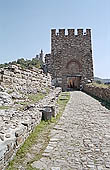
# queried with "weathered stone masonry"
point(16, 84)
point(99, 92)
point(70, 62)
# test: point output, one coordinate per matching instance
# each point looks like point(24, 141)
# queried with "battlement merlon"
point(62, 32)
point(88, 32)
point(53, 31)
point(79, 31)
point(71, 32)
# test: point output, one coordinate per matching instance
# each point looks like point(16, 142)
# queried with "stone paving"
point(81, 138)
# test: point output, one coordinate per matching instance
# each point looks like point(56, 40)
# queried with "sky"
point(25, 27)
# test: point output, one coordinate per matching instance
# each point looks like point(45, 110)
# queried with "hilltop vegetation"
point(24, 63)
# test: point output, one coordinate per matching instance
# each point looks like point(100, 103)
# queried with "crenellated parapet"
point(71, 32)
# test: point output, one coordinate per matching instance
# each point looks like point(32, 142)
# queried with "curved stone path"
point(81, 138)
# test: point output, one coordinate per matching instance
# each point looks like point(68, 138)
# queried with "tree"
point(98, 82)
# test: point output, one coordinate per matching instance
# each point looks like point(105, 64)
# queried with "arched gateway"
point(70, 62)
point(74, 69)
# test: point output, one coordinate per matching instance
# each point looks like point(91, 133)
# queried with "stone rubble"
point(5, 99)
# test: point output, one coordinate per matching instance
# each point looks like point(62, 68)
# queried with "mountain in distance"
point(102, 80)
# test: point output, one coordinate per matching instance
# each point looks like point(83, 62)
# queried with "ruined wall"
point(17, 122)
point(16, 125)
point(102, 93)
point(14, 78)
point(71, 55)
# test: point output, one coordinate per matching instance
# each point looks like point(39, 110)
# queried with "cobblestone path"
point(81, 138)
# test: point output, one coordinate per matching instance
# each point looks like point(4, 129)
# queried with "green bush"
point(98, 82)
point(24, 63)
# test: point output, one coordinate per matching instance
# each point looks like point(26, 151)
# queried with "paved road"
point(81, 139)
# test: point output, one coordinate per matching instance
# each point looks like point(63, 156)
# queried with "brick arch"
point(74, 61)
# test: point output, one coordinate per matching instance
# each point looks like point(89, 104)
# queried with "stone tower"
point(71, 58)
point(41, 55)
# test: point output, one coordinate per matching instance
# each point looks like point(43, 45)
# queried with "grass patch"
point(62, 105)
point(36, 97)
point(4, 107)
point(43, 129)
point(23, 103)
point(20, 155)
point(33, 98)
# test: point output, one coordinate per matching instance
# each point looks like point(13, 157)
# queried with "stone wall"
point(102, 93)
point(71, 56)
point(48, 62)
point(16, 124)
point(14, 78)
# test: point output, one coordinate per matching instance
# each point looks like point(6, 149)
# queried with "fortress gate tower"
point(70, 62)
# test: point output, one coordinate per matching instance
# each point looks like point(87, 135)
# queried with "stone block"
point(19, 140)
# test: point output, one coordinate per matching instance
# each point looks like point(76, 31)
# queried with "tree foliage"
point(98, 82)
point(24, 63)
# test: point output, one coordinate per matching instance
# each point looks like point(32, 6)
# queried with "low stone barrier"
point(100, 92)
point(15, 126)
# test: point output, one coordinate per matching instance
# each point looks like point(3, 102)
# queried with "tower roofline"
point(71, 32)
